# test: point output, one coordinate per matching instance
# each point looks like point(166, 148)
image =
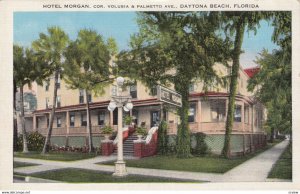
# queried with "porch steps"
point(127, 146)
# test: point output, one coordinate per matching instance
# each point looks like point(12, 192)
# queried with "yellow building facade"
point(207, 112)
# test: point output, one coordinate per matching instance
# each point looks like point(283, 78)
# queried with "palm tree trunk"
point(89, 124)
point(15, 119)
point(25, 147)
point(240, 28)
point(47, 141)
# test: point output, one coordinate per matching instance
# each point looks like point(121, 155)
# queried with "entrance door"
point(155, 118)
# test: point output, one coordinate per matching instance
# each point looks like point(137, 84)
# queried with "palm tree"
point(87, 68)
point(15, 117)
point(51, 48)
point(25, 72)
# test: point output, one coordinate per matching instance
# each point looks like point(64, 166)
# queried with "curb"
point(278, 180)
point(29, 179)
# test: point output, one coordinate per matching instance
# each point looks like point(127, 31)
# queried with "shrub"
point(107, 130)
point(128, 120)
point(171, 144)
point(113, 135)
point(141, 131)
point(35, 141)
point(162, 138)
point(201, 147)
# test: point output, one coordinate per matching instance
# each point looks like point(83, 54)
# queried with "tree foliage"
point(272, 84)
point(162, 138)
point(87, 62)
point(26, 70)
point(50, 49)
point(87, 66)
point(175, 48)
point(35, 141)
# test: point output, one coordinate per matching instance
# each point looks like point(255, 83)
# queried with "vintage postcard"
point(132, 95)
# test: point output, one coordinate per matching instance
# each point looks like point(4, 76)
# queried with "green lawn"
point(23, 164)
point(60, 156)
point(208, 164)
point(195, 164)
point(283, 167)
point(73, 175)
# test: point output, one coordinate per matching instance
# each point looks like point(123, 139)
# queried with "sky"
point(119, 25)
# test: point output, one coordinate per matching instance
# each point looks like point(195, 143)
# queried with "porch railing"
point(211, 127)
point(55, 131)
point(72, 130)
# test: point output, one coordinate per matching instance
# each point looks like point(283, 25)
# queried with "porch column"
point(226, 107)
point(111, 118)
point(199, 120)
point(68, 122)
point(67, 127)
point(243, 116)
point(252, 118)
point(34, 122)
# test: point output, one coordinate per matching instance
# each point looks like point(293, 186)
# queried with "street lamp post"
point(119, 101)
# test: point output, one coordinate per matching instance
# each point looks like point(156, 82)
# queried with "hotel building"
point(207, 113)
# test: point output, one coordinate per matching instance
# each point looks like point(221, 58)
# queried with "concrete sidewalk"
point(255, 169)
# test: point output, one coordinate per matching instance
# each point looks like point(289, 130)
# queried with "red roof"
point(252, 71)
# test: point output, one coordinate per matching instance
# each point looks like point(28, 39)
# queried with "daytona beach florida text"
point(152, 6)
point(191, 6)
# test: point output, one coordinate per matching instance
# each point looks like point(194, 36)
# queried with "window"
point(72, 120)
point(89, 98)
point(58, 101)
point(213, 110)
point(133, 92)
point(83, 119)
point(47, 121)
point(238, 113)
point(101, 118)
point(155, 118)
point(81, 96)
point(37, 122)
point(191, 88)
point(153, 91)
point(259, 118)
point(58, 121)
point(135, 115)
point(246, 113)
point(217, 110)
point(192, 113)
